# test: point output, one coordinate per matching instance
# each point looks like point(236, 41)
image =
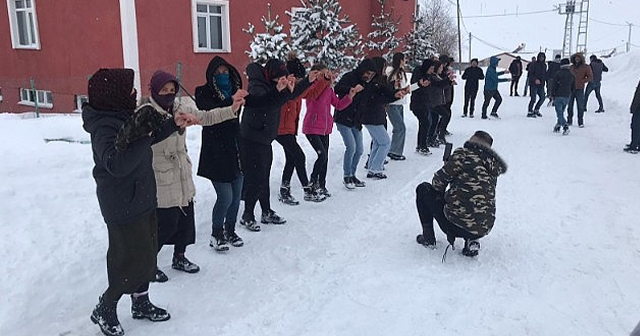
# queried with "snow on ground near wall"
point(561, 258)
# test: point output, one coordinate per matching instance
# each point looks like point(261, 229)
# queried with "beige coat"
point(171, 163)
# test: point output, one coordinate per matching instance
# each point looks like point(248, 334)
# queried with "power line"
point(609, 23)
point(489, 44)
point(510, 14)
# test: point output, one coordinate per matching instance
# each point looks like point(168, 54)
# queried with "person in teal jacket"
point(491, 80)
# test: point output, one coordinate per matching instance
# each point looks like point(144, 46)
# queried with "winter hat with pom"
point(275, 69)
point(158, 80)
point(110, 90)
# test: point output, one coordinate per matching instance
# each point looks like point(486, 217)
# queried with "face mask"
point(223, 80)
point(165, 101)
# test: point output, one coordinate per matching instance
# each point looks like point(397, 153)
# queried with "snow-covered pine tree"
point(270, 44)
point(417, 43)
point(382, 39)
point(323, 34)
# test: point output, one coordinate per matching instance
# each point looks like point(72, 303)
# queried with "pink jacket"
point(318, 119)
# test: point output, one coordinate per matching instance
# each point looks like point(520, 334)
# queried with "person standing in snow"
point(450, 79)
point(462, 195)
point(583, 75)
point(121, 140)
point(270, 87)
point(491, 82)
point(552, 68)
point(597, 68)
point(515, 68)
point(561, 87)
point(397, 76)
point(219, 153)
point(634, 146)
point(537, 79)
point(526, 82)
point(472, 75)
point(172, 167)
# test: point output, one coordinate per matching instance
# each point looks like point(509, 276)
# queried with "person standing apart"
point(472, 75)
point(583, 75)
point(634, 146)
point(597, 68)
point(515, 68)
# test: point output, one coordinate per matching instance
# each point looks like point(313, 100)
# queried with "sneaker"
point(250, 224)
point(323, 191)
point(565, 130)
point(376, 176)
point(219, 243)
point(160, 277)
point(348, 183)
point(425, 151)
point(233, 238)
point(531, 115)
point(471, 115)
point(556, 129)
point(600, 110)
point(581, 125)
point(396, 157)
point(358, 183)
point(104, 315)
point(181, 263)
point(471, 248)
point(142, 308)
point(464, 115)
point(631, 150)
point(484, 116)
point(428, 243)
point(537, 113)
point(272, 218)
point(312, 195)
point(495, 115)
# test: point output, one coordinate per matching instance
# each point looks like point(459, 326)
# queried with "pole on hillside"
point(459, 39)
point(470, 46)
point(35, 96)
point(629, 38)
point(178, 75)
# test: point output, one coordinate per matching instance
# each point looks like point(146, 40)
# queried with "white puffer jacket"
point(171, 163)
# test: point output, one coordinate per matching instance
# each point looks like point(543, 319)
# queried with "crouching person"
point(466, 209)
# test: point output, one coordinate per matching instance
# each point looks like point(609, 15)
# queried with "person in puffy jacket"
point(583, 75)
point(462, 195)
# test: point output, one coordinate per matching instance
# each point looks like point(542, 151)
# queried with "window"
point(23, 24)
point(211, 26)
point(1, 99)
point(28, 97)
point(80, 100)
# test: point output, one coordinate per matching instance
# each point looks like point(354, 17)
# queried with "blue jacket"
point(491, 79)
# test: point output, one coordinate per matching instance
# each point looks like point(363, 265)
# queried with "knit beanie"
point(275, 69)
point(110, 90)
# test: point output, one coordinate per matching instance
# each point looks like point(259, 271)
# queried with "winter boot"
point(537, 113)
point(321, 189)
point(272, 217)
point(348, 183)
point(484, 116)
point(312, 195)
point(142, 308)
point(230, 234)
point(218, 240)
point(471, 247)
point(358, 183)
point(285, 194)
point(556, 129)
point(181, 263)
point(104, 315)
point(565, 130)
point(428, 243)
point(160, 276)
point(424, 151)
point(250, 224)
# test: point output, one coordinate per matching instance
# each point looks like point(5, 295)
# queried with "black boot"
point(230, 233)
point(142, 308)
point(104, 315)
point(219, 240)
point(285, 194)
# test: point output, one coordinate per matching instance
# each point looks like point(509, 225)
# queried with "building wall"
point(76, 39)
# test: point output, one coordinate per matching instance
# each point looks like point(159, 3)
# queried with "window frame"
point(226, 26)
point(47, 98)
point(15, 29)
point(80, 99)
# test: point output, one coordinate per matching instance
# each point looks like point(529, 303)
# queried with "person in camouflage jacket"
point(467, 207)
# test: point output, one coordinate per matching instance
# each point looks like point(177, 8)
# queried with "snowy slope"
point(562, 257)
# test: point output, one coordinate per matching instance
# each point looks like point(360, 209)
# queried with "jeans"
point(398, 134)
point(578, 95)
point(536, 90)
point(560, 103)
point(256, 159)
point(228, 196)
point(380, 148)
point(423, 127)
point(593, 86)
point(488, 94)
point(352, 138)
point(470, 94)
point(294, 158)
point(320, 144)
point(635, 130)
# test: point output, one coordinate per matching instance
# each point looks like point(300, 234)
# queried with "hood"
point(577, 56)
point(426, 64)
point(234, 75)
point(364, 66)
point(541, 57)
point(92, 118)
point(255, 71)
point(493, 61)
point(492, 162)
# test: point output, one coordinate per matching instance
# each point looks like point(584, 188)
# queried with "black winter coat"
point(537, 71)
point(472, 75)
point(552, 68)
point(373, 108)
point(261, 115)
point(351, 116)
point(125, 181)
point(635, 104)
point(563, 83)
point(515, 68)
point(420, 96)
point(219, 155)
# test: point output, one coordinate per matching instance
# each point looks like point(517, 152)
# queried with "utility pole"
point(629, 38)
point(459, 39)
point(470, 36)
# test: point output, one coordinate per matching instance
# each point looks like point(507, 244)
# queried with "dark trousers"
point(470, 94)
point(445, 119)
point(537, 93)
point(514, 85)
point(635, 130)
point(423, 127)
point(435, 114)
point(320, 144)
point(526, 85)
point(176, 226)
point(131, 257)
point(431, 205)
point(578, 96)
point(488, 94)
point(294, 159)
point(256, 159)
point(593, 86)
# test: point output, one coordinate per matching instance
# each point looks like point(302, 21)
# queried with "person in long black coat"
point(634, 146)
point(515, 69)
point(472, 75)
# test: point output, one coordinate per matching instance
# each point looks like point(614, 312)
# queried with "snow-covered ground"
point(562, 259)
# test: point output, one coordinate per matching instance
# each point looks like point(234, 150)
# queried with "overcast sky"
point(544, 30)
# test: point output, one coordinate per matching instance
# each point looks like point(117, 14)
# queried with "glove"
point(141, 124)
